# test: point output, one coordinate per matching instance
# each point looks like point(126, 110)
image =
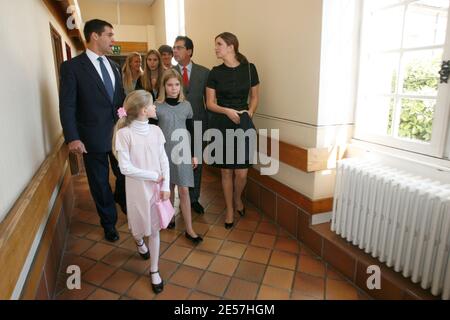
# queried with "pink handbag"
point(164, 209)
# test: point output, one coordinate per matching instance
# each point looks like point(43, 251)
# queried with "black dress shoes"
point(111, 235)
point(196, 240)
point(197, 207)
point(157, 288)
point(146, 255)
point(241, 212)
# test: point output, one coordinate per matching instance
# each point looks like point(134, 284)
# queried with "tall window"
point(174, 12)
point(401, 102)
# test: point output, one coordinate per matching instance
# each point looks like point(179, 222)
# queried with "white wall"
point(29, 124)
point(159, 21)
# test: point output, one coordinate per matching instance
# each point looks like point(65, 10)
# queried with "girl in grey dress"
point(174, 115)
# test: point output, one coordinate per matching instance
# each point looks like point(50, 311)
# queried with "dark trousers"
point(97, 170)
point(194, 193)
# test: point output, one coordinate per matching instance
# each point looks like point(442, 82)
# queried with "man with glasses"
point(194, 83)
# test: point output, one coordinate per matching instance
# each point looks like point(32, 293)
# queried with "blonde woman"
point(131, 72)
point(139, 147)
point(151, 79)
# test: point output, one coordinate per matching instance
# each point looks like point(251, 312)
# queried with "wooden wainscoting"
point(21, 225)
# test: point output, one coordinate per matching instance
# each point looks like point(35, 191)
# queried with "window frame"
point(439, 142)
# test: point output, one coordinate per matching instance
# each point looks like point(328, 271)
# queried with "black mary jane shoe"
point(241, 212)
point(196, 240)
point(146, 255)
point(229, 225)
point(157, 288)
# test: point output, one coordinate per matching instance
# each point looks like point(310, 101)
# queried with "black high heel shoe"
point(241, 212)
point(229, 225)
point(157, 288)
point(146, 255)
point(196, 240)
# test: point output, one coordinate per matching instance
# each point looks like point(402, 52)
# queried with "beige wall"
point(283, 39)
point(159, 21)
point(29, 95)
point(130, 13)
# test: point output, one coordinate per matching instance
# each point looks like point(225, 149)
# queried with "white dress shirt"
point(93, 57)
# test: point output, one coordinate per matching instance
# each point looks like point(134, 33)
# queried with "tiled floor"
point(254, 260)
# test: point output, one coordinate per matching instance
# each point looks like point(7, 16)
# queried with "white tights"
point(153, 245)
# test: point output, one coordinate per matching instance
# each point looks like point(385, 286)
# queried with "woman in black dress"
point(232, 97)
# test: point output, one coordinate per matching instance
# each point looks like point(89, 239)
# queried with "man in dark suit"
point(194, 82)
point(91, 91)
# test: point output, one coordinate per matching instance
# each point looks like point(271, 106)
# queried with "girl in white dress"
point(139, 148)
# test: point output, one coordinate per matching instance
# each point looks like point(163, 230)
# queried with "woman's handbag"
point(164, 208)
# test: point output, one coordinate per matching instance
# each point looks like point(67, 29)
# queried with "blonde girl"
point(131, 71)
point(139, 147)
point(153, 70)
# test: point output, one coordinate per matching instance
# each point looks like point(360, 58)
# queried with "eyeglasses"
point(178, 47)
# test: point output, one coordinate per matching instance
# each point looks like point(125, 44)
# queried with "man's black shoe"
point(197, 207)
point(112, 235)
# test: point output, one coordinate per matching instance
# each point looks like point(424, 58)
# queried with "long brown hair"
point(127, 74)
point(133, 104)
point(146, 79)
point(231, 39)
point(167, 75)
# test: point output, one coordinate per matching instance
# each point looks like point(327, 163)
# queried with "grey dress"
point(171, 118)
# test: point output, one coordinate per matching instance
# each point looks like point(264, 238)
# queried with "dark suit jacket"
point(195, 93)
point(86, 112)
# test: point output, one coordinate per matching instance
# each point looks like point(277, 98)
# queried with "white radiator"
point(400, 218)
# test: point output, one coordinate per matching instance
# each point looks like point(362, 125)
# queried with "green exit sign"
point(116, 49)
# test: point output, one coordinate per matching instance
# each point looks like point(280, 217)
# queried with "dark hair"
point(231, 39)
point(187, 43)
point(165, 48)
point(95, 25)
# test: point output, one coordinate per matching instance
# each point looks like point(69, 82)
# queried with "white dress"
point(142, 159)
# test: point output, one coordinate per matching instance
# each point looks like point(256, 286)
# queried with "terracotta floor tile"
point(207, 217)
point(258, 255)
point(81, 215)
point(213, 283)
point(101, 294)
point(210, 245)
point(129, 244)
point(309, 285)
point(201, 296)
point(224, 265)
point(252, 214)
point(279, 278)
point(186, 276)
point(118, 257)
point(141, 289)
point(263, 240)
point(288, 245)
point(70, 259)
point(304, 250)
point(340, 290)
point(96, 234)
point(98, 274)
point(123, 228)
point(123, 236)
point(120, 281)
point(136, 264)
point(184, 242)
point(271, 293)
point(218, 232)
point(98, 251)
point(176, 253)
point(199, 259)
point(247, 225)
point(240, 236)
point(166, 268)
point(334, 275)
point(215, 208)
point(78, 245)
point(311, 266)
point(267, 228)
point(200, 228)
point(241, 290)
point(250, 271)
point(173, 292)
point(296, 295)
point(233, 249)
point(75, 294)
point(169, 235)
point(283, 260)
point(80, 229)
